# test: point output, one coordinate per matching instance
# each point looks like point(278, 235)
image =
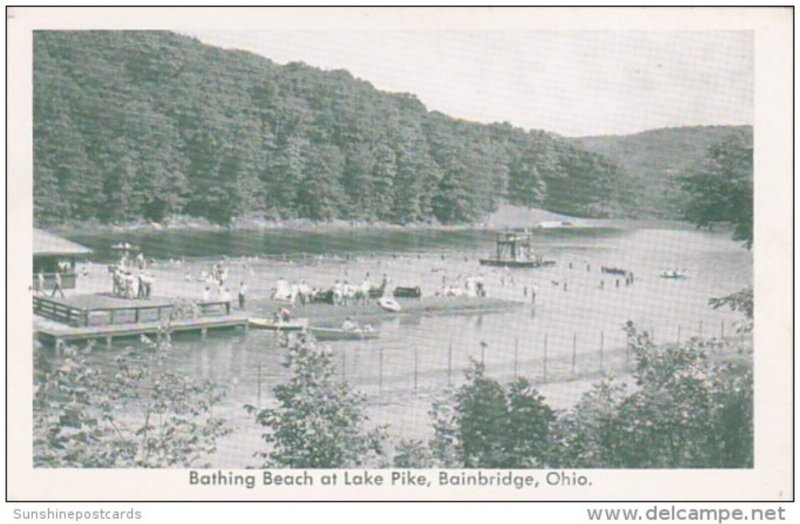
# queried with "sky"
point(574, 83)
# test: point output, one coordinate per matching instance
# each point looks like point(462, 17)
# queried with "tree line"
point(148, 125)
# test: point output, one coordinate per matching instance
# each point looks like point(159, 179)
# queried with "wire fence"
point(383, 370)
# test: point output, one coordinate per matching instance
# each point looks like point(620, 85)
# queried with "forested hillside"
point(146, 125)
point(653, 161)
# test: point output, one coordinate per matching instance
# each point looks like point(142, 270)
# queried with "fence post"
point(700, 330)
point(678, 343)
point(344, 367)
point(449, 363)
point(544, 361)
point(416, 354)
point(380, 368)
point(574, 350)
point(722, 329)
point(259, 385)
point(602, 342)
point(516, 355)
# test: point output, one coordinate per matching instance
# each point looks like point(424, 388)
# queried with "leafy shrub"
point(319, 421)
point(138, 414)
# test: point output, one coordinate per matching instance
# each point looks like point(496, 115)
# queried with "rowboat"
point(299, 324)
point(322, 333)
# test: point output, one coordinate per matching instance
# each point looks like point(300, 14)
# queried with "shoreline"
point(304, 225)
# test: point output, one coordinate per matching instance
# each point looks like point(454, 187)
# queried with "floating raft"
point(516, 263)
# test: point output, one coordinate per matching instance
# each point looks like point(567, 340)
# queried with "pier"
point(83, 318)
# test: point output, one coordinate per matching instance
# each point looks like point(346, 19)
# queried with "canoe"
point(674, 274)
point(389, 304)
point(298, 324)
point(340, 334)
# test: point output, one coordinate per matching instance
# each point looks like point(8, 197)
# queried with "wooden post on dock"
point(700, 330)
point(678, 342)
point(721, 329)
point(344, 367)
point(516, 355)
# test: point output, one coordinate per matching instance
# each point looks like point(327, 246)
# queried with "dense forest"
point(654, 161)
point(145, 125)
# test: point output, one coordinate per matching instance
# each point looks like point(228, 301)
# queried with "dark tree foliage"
point(147, 125)
point(491, 426)
point(720, 190)
point(682, 412)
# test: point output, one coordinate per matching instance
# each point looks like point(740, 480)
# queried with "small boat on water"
point(365, 333)
point(298, 324)
point(389, 304)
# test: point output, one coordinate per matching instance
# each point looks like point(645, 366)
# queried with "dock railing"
point(55, 310)
point(81, 317)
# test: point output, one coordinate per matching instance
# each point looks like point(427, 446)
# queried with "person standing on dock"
point(57, 285)
point(242, 295)
point(225, 297)
point(40, 282)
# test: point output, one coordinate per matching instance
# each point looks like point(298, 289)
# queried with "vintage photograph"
point(409, 249)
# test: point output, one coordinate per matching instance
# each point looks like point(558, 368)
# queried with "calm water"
point(424, 353)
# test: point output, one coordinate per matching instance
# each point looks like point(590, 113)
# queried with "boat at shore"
point(299, 324)
point(389, 304)
point(322, 333)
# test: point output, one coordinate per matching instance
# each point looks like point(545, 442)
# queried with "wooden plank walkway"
point(50, 332)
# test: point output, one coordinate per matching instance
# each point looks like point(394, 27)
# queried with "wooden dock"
point(52, 333)
point(81, 318)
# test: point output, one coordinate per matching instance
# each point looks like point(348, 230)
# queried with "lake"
point(569, 333)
